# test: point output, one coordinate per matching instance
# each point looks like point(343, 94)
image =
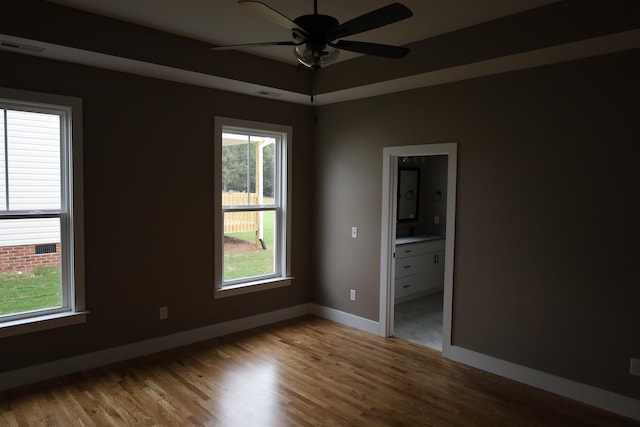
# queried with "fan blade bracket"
point(299, 36)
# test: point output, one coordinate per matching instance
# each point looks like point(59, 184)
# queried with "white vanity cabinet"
point(419, 269)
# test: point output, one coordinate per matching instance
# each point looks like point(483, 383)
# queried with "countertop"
point(415, 239)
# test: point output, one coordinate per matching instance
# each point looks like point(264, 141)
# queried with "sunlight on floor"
point(251, 396)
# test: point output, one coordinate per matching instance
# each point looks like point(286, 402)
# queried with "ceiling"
point(225, 22)
point(450, 40)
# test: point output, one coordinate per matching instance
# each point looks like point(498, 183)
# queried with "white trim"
point(590, 395)
point(596, 46)
point(581, 49)
point(387, 242)
point(31, 324)
point(284, 156)
point(82, 362)
point(157, 71)
point(388, 231)
point(344, 318)
point(599, 398)
point(250, 287)
point(73, 309)
point(603, 399)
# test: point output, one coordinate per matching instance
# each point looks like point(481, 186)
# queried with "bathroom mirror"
point(408, 194)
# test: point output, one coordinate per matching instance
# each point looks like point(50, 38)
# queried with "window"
point(41, 281)
point(252, 221)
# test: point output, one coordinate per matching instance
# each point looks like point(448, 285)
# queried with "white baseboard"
point(348, 319)
point(603, 399)
point(593, 396)
point(83, 362)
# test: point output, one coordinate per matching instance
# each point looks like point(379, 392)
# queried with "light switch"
point(354, 232)
point(436, 219)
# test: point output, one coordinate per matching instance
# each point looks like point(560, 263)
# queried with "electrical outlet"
point(164, 312)
point(354, 232)
point(352, 295)
point(436, 219)
point(634, 367)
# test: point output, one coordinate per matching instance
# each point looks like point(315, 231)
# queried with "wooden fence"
point(236, 222)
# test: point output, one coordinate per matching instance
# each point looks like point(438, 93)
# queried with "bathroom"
point(420, 240)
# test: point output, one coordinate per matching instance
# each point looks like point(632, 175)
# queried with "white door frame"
point(388, 231)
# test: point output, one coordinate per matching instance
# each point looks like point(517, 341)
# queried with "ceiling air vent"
point(20, 46)
point(269, 94)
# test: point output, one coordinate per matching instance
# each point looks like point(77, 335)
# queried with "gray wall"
point(148, 181)
point(545, 273)
point(547, 217)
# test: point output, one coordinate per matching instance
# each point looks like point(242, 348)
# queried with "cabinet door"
point(438, 270)
point(426, 273)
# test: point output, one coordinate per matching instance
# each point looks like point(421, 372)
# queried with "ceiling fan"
point(317, 38)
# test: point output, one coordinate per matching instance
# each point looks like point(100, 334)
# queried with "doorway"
point(391, 229)
point(420, 241)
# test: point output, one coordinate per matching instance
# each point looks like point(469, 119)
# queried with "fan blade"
point(378, 18)
point(386, 51)
point(241, 46)
point(273, 15)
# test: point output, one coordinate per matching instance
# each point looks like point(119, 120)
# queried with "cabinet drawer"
point(413, 249)
point(407, 266)
point(403, 251)
point(406, 286)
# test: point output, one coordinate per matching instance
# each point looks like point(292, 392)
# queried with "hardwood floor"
point(304, 372)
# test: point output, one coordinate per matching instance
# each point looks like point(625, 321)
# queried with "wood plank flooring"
point(303, 372)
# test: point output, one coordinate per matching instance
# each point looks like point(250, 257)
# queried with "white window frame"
point(282, 277)
point(73, 309)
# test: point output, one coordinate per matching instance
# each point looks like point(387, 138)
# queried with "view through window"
point(250, 203)
point(36, 250)
point(253, 205)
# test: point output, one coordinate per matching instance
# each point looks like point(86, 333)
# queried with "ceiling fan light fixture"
point(316, 56)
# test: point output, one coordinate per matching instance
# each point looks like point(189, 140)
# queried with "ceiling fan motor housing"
point(318, 28)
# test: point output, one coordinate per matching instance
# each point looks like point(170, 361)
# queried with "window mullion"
point(30, 214)
point(6, 158)
point(248, 169)
point(251, 208)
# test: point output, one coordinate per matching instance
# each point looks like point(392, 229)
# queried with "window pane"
point(33, 159)
point(248, 170)
point(249, 244)
point(267, 179)
point(30, 269)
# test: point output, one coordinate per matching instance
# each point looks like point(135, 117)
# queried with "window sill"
point(250, 287)
point(41, 323)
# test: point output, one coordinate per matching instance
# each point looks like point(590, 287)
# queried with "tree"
point(239, 168)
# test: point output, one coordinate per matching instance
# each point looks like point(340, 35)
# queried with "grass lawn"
point(255, 262)
point(30, 290)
